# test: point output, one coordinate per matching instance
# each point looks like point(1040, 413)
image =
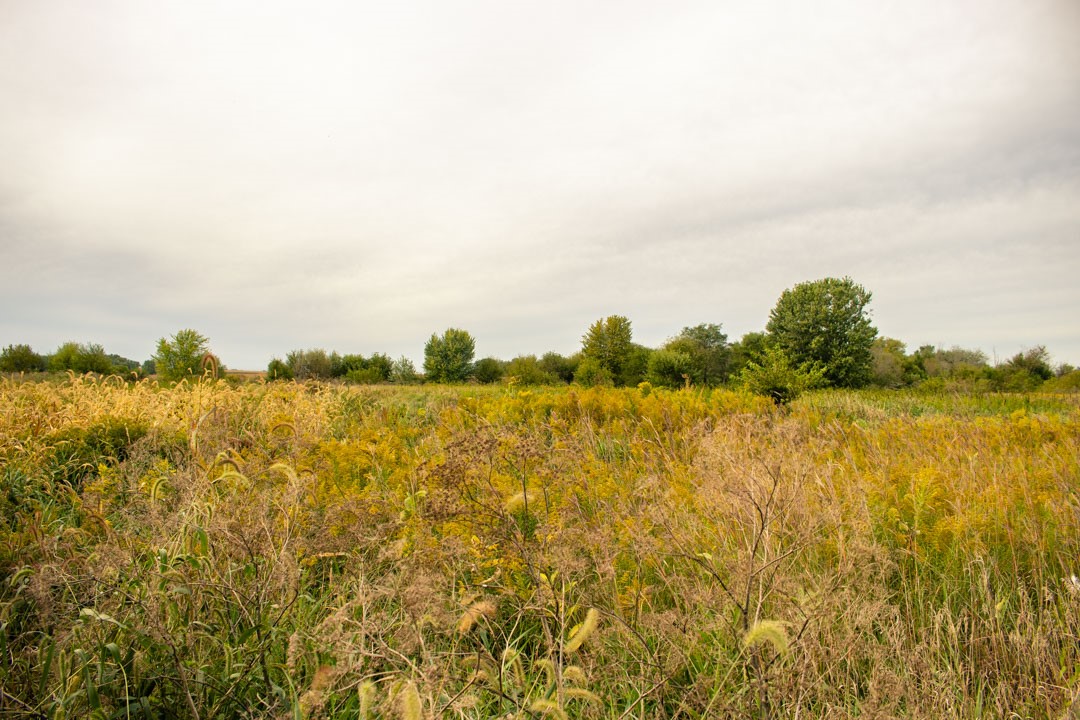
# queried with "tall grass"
point(292, 550)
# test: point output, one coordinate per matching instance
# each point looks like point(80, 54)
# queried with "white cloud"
point(357, 176)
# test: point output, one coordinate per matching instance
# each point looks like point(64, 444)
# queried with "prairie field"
point(292, 550)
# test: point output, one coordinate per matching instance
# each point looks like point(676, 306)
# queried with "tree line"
point(819, 334)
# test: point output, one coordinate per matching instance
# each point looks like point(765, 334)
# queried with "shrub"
point(526, 370)
point(669, 368)
point(488, 370)
point(590, 373)
point(21, 358)
point(776, 377)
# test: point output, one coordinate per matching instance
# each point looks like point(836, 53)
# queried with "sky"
point(356, 176)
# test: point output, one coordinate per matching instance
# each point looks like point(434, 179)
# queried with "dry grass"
point(288, 550)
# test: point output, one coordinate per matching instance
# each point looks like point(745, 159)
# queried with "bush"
point(81, 359)
point(488, 370)
point(776, 377)
point(590, 373)
point(21, 358)
point(669, 368)
point(278, 370)
point(526, 370)
point(561, 367)
point(310, 364)
point(1069, 382)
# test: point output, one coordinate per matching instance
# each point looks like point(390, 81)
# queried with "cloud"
point(356, 176)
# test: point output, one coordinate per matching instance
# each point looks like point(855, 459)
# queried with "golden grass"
point(224, 550)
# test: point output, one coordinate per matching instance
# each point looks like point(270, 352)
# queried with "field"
point(220, 550)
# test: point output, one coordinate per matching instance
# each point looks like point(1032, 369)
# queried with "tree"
point(21, 358)
point(889, 362)
point(183, 356)
point(609, 343)
point(825, 322)
point(527, 370)
point(590, 373)
point(278, 370)
point(449, 358)
point(954, 362)
point(1023, 372)
point(310, 364)
point(707, 351)
point(488, 370)
point(81, 358)
point(669, 368)
point(559, 366)
point(751, 348)
point(403, 372)
point(125, 366)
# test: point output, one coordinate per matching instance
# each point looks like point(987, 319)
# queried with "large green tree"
point(182, 356)
point(826, 323)
point(609, 343)
point(449, 358)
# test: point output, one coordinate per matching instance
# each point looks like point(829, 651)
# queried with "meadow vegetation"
point(316, 550)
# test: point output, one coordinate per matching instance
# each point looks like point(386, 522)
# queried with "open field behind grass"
point(289, 550)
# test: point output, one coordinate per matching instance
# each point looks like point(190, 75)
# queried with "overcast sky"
point(358, 175)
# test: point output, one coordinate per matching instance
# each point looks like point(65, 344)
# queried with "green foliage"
point(778, 378)
point(182, 357)
point(342, 365)
point(636, 366)
point(669, 368)
point(81, 358)
point(590, 373)
point(609, 343)
point(954, 362)
point(363, 370)
point(526, 370)
point(21, 358)
point(371, 375)
point(890, 363)
point(751, 348)
point(825, 322)
point(707, 350)
point(124, 366)
point(278, 370)
point(489, 370)
point(1067, 382)
point(314, 364)
point(449, 359)
point(561, 367)
point(403, 372)
point(78, 453)
point(1033, 363)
